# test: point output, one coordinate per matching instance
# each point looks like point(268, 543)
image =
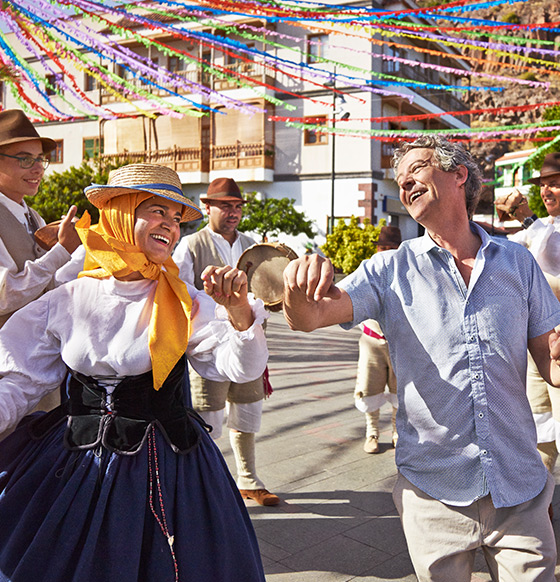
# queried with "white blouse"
point(99, 327)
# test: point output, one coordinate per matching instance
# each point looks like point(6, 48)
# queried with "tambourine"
point(264, 264)
point(47, 236)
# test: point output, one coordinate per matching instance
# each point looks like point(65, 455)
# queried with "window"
point(237, 63)
point(317, 45)
point(124, 72)
point(176, 65)
point(390, 66)
point(314, 136)
point(90, 83)
point(56, 156)
point(206, 76)
point(92, 147)
point(53, 83)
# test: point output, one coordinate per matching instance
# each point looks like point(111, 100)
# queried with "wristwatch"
point(527, 222)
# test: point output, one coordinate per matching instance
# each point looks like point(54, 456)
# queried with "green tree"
point(351, 243)
point(60, 190)
point(271, 216)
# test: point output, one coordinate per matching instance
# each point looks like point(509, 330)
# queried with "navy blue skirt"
point(103, 517)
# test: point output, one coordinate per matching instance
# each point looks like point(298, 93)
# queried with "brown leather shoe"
point(261, 496)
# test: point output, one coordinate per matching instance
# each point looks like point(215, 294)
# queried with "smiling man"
point(220, 244)
point(26, 269)
point(459, 309)
point(542, 237)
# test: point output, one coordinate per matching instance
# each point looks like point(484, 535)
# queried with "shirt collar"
point(218, 236)
point(425, 243)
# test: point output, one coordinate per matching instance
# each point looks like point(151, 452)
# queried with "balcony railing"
point(202, 159)
point(445, 100)
point(191, 76)
point(242, 155)
point(178, 159)
point(252, 70)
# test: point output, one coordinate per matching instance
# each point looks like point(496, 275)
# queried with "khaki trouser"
point(518, 542)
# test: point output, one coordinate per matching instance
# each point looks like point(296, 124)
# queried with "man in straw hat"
point(459, 310)
point(220, 243)
point(542, 237)
point(374, 364)
point(26, 269)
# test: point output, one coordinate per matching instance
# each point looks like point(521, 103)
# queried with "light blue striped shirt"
point(460, 355)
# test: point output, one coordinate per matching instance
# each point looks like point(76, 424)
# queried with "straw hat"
point(159, 180)
point(225, 189)
point(16, 127)
point(550, 167)
point(390, 236)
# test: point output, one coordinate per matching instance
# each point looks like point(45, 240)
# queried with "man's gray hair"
point(448, 156)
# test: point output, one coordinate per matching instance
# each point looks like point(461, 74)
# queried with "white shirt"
point(228, 253)
point(18, 289)
point(542, 238)
point(99, 327)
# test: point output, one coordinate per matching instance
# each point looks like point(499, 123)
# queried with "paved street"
point(337, 521)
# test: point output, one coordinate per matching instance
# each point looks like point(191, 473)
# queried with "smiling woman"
point(123, 482)
point(156, 231)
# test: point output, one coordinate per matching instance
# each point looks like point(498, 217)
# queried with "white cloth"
point(542, 238)
point(240, 417)
point(18, 289)
point(228, 253)
point(100, 328)
point(70, 270)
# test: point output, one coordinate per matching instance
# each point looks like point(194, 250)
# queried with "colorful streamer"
point(269, 52)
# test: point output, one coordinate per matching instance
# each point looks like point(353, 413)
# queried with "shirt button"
point(476, 376)
point(483, 452)
point(480, 415)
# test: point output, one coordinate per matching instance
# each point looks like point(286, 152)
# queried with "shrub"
point(351, 243)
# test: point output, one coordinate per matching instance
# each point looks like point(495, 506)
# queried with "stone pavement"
point(337, 521)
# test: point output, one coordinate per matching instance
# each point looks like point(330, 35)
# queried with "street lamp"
point(345, 115)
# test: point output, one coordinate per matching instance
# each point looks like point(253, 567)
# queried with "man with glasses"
point(542, 237)
point(459, 309)
point(26, 269)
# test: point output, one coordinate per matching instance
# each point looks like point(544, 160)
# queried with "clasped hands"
point(312, 277)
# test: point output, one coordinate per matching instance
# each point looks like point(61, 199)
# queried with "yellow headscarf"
point(110, 251)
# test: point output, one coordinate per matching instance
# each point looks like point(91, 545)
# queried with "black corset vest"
point(121, 422)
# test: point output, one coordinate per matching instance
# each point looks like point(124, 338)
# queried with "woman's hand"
point(228, 287)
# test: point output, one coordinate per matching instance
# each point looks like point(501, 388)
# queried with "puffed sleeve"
point(30, 362)
point(216, 350)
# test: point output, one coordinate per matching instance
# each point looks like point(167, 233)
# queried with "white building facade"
point(322, 172)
